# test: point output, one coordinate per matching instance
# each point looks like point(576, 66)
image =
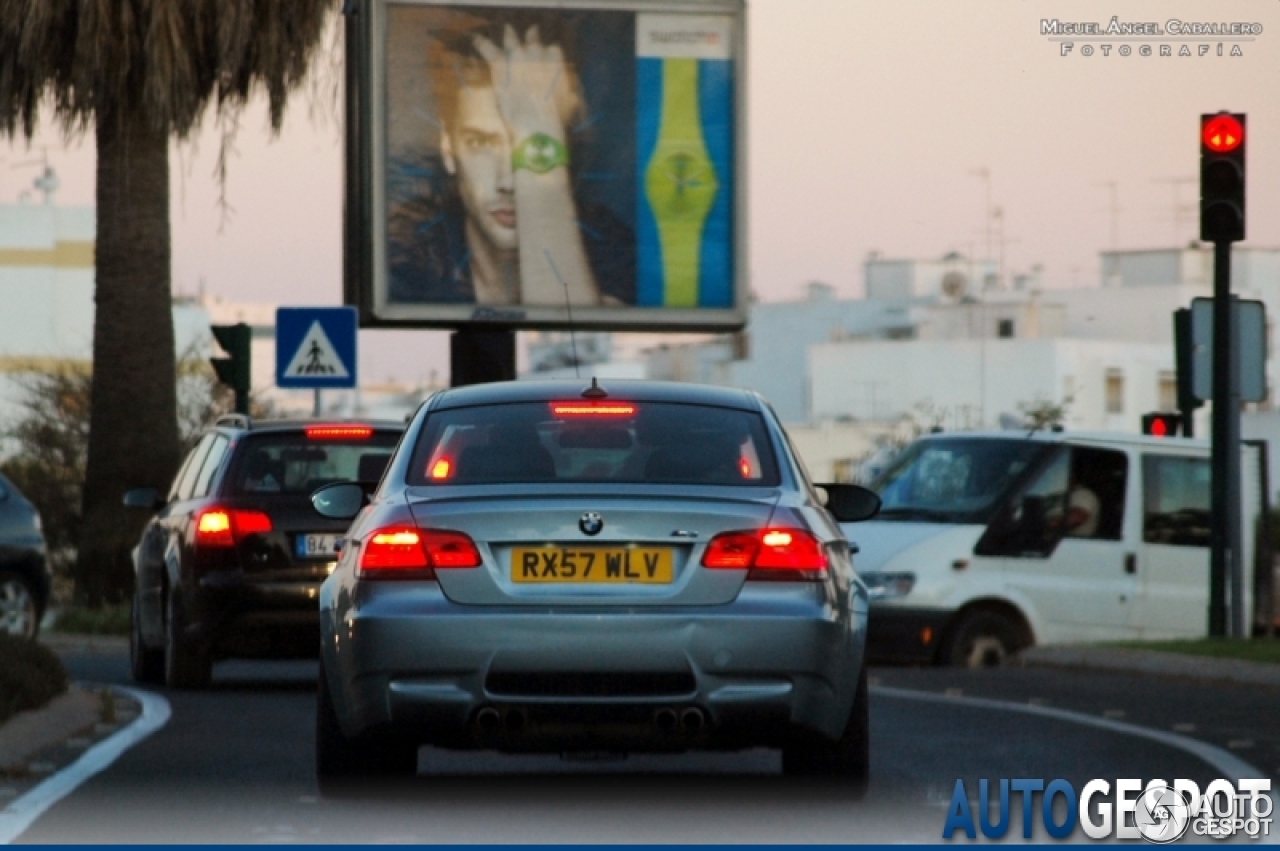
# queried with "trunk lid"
point(646, 552)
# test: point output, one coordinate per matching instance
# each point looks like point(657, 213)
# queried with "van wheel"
point(980, 639)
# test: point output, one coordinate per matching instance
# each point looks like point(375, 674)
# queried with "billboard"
point(539, 165)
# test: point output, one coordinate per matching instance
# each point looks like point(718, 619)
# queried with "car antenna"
point(568, 306)
point(595, 391)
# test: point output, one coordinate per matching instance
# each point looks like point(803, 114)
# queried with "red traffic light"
point(1222, 134)
point(1161, 425)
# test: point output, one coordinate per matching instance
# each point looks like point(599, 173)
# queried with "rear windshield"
point(295, 464)
point(578, 441)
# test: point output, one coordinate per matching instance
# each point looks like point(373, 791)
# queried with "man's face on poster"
point(476, 147)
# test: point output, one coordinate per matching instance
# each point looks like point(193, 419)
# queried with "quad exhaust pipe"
point(691, 719)
point(490, 721)
point(666, 719)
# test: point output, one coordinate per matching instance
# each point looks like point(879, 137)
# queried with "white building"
point(976, 383)
point(46, 296)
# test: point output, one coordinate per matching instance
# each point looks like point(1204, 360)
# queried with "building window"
point(1004, 329)
point(1167, 392)
point(1115, 391)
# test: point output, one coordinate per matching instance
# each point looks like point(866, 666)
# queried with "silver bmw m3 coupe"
point(562, 567)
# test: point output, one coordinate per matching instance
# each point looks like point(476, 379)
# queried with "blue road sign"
point(315, 347)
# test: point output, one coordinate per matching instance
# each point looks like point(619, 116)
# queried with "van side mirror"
point(144, 498)
point(851, 503)
point(340, 500)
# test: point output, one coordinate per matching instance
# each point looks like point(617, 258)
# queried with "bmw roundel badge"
point(591, 523)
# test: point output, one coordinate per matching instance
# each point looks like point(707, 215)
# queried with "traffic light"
point(1183, 359)
point(1161, 425)
point(1222, 138)
point(233, 370)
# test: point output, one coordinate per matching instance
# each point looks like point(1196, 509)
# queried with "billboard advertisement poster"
point(531, 165)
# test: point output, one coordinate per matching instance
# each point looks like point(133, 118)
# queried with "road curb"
point(73, 711)
point(1154, 662)
point(1231, 766)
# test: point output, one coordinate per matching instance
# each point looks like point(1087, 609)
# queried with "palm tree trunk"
point(133, 431)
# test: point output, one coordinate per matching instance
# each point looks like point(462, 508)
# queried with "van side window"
point(1095, 503)
point(1079, 494)
point(1029, 525)
point(1176, 500)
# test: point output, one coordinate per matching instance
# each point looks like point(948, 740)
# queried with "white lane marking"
point(1229, 766)
point(21, 812)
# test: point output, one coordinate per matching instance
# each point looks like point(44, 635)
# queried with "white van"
point(990, 542)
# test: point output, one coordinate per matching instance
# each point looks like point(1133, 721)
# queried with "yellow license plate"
point(638, 565)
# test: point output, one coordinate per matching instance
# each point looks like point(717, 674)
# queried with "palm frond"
point(95, 60)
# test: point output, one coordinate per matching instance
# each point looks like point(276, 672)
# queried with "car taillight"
point(224, 527)
point(338, 432)
point(593, 409)
point(450, 549)
point(779, 555)
point(408, 552)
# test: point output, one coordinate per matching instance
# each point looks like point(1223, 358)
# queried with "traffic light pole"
point(1226, 559)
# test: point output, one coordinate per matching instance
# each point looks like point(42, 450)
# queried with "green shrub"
point(30, 675)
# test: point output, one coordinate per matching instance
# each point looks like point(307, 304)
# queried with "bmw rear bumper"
point(521, 678)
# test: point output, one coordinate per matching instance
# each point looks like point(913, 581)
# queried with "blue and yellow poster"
point(684, 130)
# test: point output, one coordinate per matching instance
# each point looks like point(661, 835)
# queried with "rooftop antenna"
point(1181, 211)
point(1114, 209)
point(47, 182)
point(988, 215)
point(595, 391)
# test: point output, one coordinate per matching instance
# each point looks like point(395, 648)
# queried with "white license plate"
point(316, 546)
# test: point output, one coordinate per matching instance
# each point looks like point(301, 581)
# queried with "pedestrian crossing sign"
point(316, 347)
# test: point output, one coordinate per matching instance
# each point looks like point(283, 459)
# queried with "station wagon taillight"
point(408, 552)
point(225, 527)
point(338, 432)
point(779, 555)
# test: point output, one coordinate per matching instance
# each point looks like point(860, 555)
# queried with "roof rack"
point(235, 421)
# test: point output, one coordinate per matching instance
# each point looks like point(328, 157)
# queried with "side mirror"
point(145, 498)
point(851, 503)
point(339, 501)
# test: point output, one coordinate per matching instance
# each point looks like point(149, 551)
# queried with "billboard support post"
point(478, 356)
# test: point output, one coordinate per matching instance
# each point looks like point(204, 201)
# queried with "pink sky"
point(867, 121)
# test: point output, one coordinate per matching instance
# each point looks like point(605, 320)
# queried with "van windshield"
point(953, 480)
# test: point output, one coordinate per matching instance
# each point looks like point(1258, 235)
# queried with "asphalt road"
point(234, 765)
